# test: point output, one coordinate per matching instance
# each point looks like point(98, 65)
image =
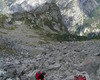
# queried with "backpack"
point(75, 77)
point(80, 77)
point(37, 74)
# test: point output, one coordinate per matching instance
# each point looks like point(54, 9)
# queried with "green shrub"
point(65, 37)
point(6, 50)
point(69, 37)
point(2, 20)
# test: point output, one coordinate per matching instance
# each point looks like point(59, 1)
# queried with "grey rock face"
point(73, 13)
point(46, 17)
point(59, 61)
point(55, 16)
point(87, 5)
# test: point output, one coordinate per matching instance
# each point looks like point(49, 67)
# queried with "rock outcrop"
point(46, 17)
point(75, 11)
point(73, 15)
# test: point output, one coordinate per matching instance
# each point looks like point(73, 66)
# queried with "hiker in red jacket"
point(83, 78)
point(75, 77)
point(79, 77)
point(39, 75)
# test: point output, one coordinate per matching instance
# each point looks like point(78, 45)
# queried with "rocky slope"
point(34, 26)
point(60, 61)
point(29, 25)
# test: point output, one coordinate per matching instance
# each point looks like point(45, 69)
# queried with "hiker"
point(83, 78)
point(75, 77)
point(39, 75)
point(79, 77)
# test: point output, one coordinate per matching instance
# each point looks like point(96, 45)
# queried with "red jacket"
point(37, 75)
point(80, 77)
point(75, 77)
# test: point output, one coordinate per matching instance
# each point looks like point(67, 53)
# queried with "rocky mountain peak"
point(73, 13)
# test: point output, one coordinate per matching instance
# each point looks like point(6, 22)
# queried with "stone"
point(24, 77)
point(2, 73)
point(8, 79)
point(55, 66)
point(98, 74)
point(70, 78)
point(97, 54)
point(17, 62)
